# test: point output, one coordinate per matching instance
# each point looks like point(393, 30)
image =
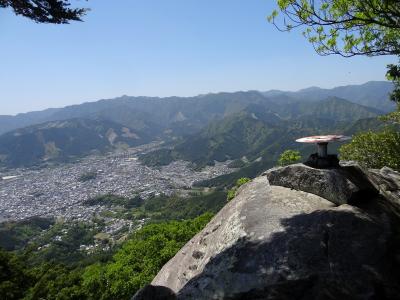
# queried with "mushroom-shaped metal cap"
point(321, 139)
point(322, 142)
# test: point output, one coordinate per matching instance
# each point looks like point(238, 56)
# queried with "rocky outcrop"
point(253, 216)
point(387, 182)
point(274, 242)
point(347, 184)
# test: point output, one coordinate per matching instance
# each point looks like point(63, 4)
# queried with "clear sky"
point(162, 48)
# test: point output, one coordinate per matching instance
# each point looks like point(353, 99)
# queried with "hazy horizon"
point(154, 48)
point(184, 96)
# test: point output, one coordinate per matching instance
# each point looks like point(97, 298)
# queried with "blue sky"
point(162, 48)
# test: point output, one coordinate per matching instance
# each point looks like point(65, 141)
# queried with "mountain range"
point(257, 133)
point(373, 94)
point(200, 129)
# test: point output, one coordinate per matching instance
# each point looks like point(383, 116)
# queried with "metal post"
point(322, 150)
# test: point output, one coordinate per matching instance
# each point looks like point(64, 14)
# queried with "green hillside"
point(257, 133)
point(234, 136)
point(63, 140)
point(335, 109)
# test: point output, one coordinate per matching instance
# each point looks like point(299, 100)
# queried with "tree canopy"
point(45, 11)
point(374, 149)
point(345, 27)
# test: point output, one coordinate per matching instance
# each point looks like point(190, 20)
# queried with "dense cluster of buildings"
point(58, 191)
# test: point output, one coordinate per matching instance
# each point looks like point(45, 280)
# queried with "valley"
point(53, 162)
point(61, 191)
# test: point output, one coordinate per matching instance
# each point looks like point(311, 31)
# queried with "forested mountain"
point(186, 115)
point(230, 138)
point(373, 94)
point(157, 116)
point(200, 129)
point(255, 132)
point(61, 140)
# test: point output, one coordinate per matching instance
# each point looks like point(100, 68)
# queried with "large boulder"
point(272, 242)
point(347, 184)
point(387, 182)
point(253, 216)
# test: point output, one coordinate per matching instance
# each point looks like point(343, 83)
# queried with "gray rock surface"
point(387, 181)
point(253, 215)
point(272, 242)
point(338, 185)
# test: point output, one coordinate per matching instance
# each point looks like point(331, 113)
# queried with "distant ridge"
point(373, 93)
point(155, 110)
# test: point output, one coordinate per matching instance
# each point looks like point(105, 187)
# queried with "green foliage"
point(393, 74)
point(289, 157)
point(346, 27)
point(16, 235)
point(232, 192)
point(132, 267)
point(374, 149)
point(56, 282)
point(45, 281)
point(14, 278)
point(242, 181)
point(393, 117)
point(53, 267)
point(140, 259)
point(165, 208)
point(61, 244)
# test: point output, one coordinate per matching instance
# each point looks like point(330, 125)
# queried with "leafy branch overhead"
point(345, 27)
point(45, 11)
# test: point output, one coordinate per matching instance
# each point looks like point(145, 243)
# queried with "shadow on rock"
point(151, 292)
point(330, 254)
